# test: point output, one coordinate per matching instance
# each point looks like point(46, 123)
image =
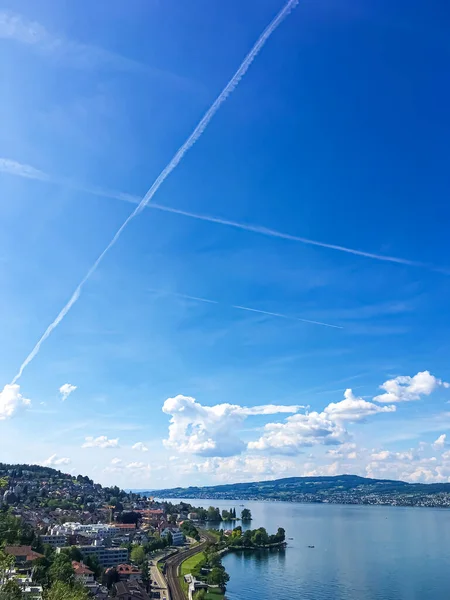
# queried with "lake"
point(360, 553)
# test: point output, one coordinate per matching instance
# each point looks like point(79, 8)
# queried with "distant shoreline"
point(295, 501)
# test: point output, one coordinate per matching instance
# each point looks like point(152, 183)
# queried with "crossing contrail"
point(195, 135)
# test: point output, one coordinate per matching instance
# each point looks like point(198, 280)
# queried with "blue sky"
point(336, 135)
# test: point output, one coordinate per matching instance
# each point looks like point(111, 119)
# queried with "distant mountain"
point(346, 489)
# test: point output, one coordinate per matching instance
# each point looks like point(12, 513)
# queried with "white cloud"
point(441, 441)
point(54, 461)
point(346, 451)
point(210, 430)
point(11, 400)
point(405, 388)
point(140, 446)
point(354, 409)
point(11, 167)
point(382, 455)
point(66, 389)
point(100, 442)
point(116, 461)
point(240, 468)
point(138, 466)
point(313, 428)
point(299, 431)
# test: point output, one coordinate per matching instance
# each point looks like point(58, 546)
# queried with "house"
point(23, 555)
point(192, 516)
point(128, 590)
point(123, 528)
point(32, 592)
point(177, 535)
point(82, 573)
point(129, 573)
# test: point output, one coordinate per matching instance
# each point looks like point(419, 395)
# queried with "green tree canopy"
point(61, 569)
point(218, 576)
point(246, 514)
point(10, 591)
point(213, 514)
point(63, 591)
point(137, 555)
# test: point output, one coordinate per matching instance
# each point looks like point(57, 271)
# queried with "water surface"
point(360, 553)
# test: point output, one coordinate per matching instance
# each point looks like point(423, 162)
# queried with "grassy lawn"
point(187, 565)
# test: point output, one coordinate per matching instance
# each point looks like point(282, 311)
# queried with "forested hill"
point(347, 489)
point(31, 472)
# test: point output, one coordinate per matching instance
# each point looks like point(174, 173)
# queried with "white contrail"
point(12, 167)
point(294, 238)
point(228, 89)
point(255, 310)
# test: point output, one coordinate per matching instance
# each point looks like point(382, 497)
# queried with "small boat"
point(310, 546)
point(290, 538)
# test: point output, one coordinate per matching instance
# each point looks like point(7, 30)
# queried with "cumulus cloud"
point(354, 409)
point(314, 428)
point(299, 431)
point(441, 442)
point(100, 442)
point(210, 430)
point(11, 400)
point(66, 389)
point(54, 461)
point(140, 447)
point(240, 468)
point(116, 461)
point(346, 451)
point(405, 388)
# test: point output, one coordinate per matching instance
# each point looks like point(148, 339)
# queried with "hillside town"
point(102, 542)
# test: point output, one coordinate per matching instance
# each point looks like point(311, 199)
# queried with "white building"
point(54, 540)
point(177, 535)
point(107, 557)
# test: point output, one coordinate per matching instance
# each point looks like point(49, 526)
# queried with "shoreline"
point(311, 502)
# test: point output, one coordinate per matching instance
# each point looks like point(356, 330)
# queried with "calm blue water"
point(361, 553)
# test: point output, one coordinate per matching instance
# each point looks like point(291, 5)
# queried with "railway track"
point(173, 563)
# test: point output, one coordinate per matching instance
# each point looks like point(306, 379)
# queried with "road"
point(161, 584)
point(172, 564)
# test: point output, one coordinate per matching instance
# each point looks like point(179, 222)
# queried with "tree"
point(225, 515)
point(169, 538)
point(137, 555)
point(73, 553)
point(200, 595)
point(218, 576)
point(214, 559)
point(11, 591)
point(93, 564)
point(61, 569)
point(110, 577)
point(64, 591)
point(145, 576)
point(6, 563)
point(246, 515)
point(280, 534)
point(260, 537)
point(213, 514)
point(128, 517)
